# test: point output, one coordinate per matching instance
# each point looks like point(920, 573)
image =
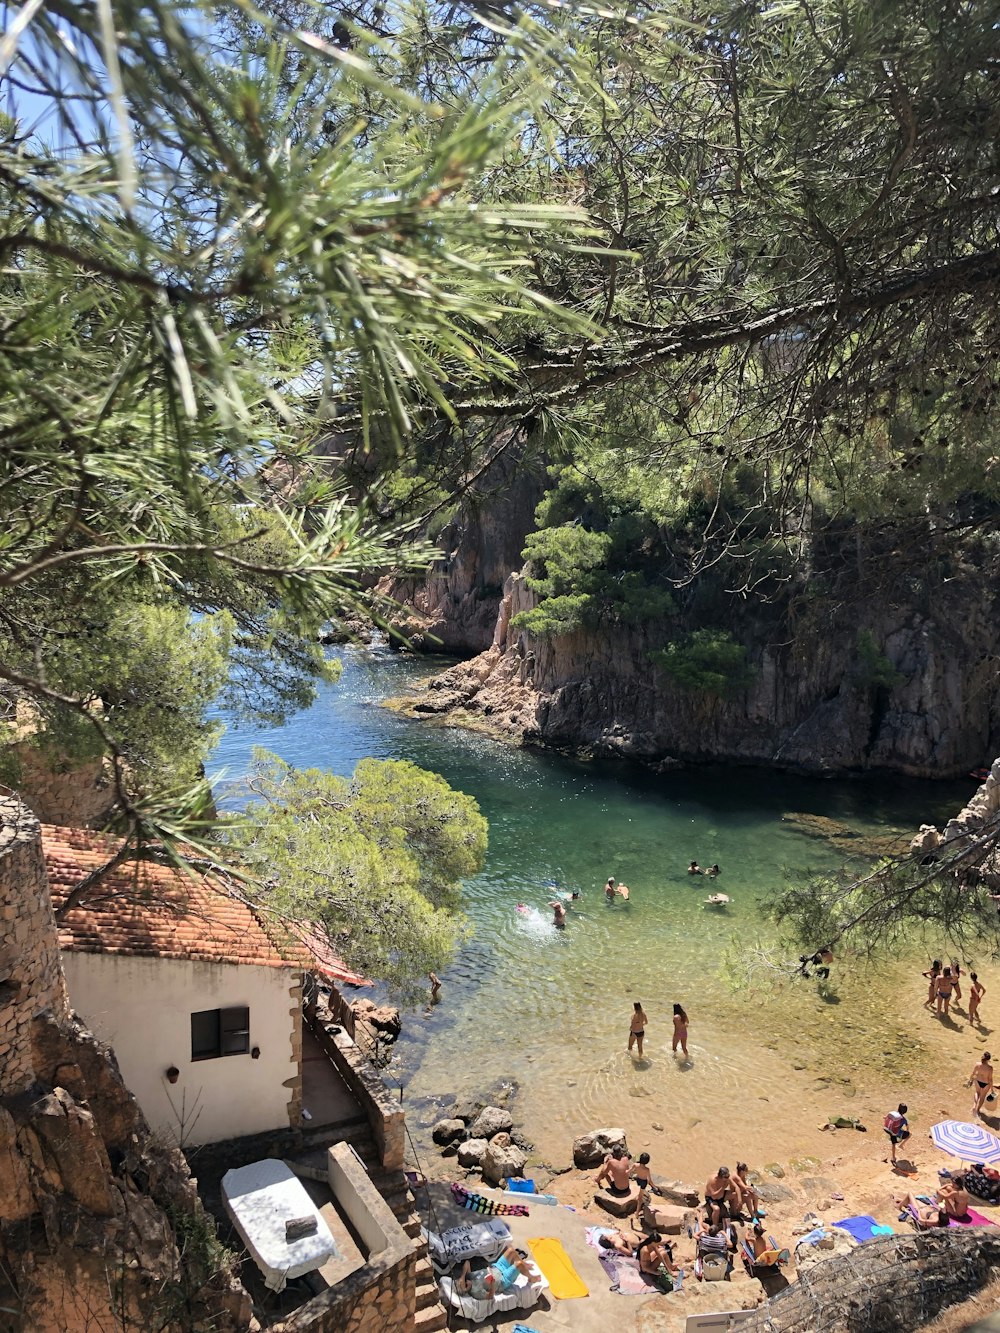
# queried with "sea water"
point(549, 1009)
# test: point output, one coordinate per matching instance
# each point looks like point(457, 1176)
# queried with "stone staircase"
point(395, 1190)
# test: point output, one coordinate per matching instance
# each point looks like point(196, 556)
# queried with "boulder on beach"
point(472, 1152)
point(502, 1159)
point(446, 1131)
point(591, 1149)
point(618, 1205)
point(490, 1121)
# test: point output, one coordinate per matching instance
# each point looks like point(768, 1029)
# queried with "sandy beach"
point(801, 1168)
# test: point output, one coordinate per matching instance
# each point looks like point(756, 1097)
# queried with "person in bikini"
point(654, 1253)
point(746, 1196)
point(718, 1195)
point(617, 1171)
point(943, 988)
point(981, 1082)
point(976, 993)
point(932, 977)
point(925, 1215)
point(695, 869)
point(680, 1037)
point(637, 1027)
point(617, 1241)
point(641, 1173)
point(954, 1198)
point(956, 976)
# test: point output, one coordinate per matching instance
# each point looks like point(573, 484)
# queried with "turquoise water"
point(550, 1008)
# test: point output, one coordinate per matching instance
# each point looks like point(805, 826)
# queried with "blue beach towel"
point(863, 1227)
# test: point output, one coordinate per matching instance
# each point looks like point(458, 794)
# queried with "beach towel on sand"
point(627, 1278)
point(478, 1203)
point(557, 1267)
point(863, 1227)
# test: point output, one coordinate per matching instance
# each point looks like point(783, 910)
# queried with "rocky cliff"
point(100, 1223)
point(453, 609)
point(812, 706)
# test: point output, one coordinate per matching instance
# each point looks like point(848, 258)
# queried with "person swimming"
point(713, 872)
point(558, 914)
point(695, 869)
point(609, 889)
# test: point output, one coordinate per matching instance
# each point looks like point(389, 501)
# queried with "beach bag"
point(893, 1122)
point(714, 1267)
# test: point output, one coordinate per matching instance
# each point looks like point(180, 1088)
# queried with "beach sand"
point(778, 1133)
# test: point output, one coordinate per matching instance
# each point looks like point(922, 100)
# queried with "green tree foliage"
point(874, 668)
point(375, 860)
point(706, 661)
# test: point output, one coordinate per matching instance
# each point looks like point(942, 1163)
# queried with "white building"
point(202, 1007)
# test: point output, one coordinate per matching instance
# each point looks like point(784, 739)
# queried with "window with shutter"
point(217, 1032)
point(235, 1027)
point(205, 1035)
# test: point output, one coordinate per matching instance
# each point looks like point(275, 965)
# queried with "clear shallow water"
point(551, 1008)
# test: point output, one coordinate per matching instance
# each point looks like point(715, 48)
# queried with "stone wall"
point(382, 1294)
point(31, 979)
point(78, 796)
point(385, 1115)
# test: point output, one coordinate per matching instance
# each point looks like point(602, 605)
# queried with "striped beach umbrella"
point(971, 1143)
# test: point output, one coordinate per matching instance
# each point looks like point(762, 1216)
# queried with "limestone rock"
point(491, 1120)
point(676, 1192)
point(668, 1218)
point(384, 1018)
point(472, 1152)
point(446, 1131)
point(62, 1137)
point(927, 841)
point(502, 1159)
point(618, 1205)
point(591, 1149)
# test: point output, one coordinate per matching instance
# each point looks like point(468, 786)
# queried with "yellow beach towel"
point(558, 1268)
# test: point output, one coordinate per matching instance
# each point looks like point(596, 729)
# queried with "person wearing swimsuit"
point(981, 1082)
point(975, 995)
point(717, 1193)
point(945, 984)
point(637, 1030)
point(680, 1030)
point(932, 977)
point(616, 1170)
point(956, 975)
point(641, 1173)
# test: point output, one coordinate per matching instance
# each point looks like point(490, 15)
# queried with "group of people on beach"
point(640, 1020)
point(944, 986)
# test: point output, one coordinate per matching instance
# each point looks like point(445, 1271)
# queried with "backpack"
point(893, 1122)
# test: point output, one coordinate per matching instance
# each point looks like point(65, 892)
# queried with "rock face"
point(813, 704)
point(591, 1149)
point(502, 1159)
point(454, 608)
point(895, 1282)
point(491, 1120)
point(618, 1205)
point(384, 1018)
point(95, 1213)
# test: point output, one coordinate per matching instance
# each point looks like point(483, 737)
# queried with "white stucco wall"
point(142, 1007)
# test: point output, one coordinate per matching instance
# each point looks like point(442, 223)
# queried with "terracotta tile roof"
point(151, 911)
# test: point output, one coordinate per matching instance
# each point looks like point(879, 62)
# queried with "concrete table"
point(260, 1199)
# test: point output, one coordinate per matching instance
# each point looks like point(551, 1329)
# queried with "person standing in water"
point(558, 914)
point(680, 1030)
point(976, 993)
point(609, 889)
point(637, 1029)
point(694, 868)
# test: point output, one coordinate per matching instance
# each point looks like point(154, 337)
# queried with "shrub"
point(710, 661)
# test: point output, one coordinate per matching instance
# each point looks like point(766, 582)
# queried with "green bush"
point(562, 558)
point(709, 661)
point(874, 668)
point(555, 615)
